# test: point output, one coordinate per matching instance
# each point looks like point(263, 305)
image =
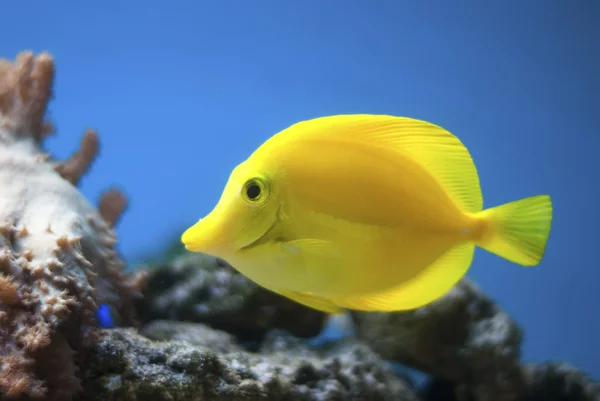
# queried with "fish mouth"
point(203, 236)
point(189, 240)
point(191, 249)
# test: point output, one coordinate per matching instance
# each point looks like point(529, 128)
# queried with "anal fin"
point(430, 284)
point(312, 301)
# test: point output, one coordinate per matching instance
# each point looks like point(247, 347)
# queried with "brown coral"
point(74, 168)
point(57, 251)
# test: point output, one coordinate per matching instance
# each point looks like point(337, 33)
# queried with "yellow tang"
point(364, 212)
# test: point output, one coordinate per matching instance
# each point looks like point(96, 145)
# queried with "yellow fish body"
point(364, 212)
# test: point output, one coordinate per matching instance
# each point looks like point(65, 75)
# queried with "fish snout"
point(199, 237)
point(188, 238)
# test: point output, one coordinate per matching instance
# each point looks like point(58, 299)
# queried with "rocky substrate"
point(190, 361)
point(465, 342)
point(194, 362)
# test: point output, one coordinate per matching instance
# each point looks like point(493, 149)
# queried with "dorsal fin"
point(442, 153)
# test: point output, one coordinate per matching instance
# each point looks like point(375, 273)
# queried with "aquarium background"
point(181, 92)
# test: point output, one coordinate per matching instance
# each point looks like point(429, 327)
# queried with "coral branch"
point(112, 205)
point(74, 168)
point(25, 89)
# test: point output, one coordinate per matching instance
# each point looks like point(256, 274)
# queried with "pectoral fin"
point(311, 246)
point(312, 301)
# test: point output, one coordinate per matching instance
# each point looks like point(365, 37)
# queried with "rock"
point(125, 365)
point(552, 381)
point(559, 381)
point(462, 338)
point(193, 333)
point(200, 288)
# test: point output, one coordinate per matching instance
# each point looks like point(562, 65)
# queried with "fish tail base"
point(518, 231)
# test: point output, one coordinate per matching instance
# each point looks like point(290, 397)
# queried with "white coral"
point(56, 249)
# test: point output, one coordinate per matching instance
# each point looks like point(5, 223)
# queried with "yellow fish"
point(364, 212)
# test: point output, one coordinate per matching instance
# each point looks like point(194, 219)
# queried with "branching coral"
point(57, 251)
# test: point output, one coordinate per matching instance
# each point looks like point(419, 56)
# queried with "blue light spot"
point(104, 317)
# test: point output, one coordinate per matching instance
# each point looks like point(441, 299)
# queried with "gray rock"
point(124, 365)
point(559, 381)
point(463, 338)
point(194, 333)
point(200, 288)
point(552, 381)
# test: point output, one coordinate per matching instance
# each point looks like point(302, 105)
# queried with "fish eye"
point(255, 190)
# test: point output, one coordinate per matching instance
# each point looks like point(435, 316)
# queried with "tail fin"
point(518, 231)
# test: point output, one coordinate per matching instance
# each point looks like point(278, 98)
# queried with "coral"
point(57, 251)
point(463, 338)
point(127, 366)
point(200, 288)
